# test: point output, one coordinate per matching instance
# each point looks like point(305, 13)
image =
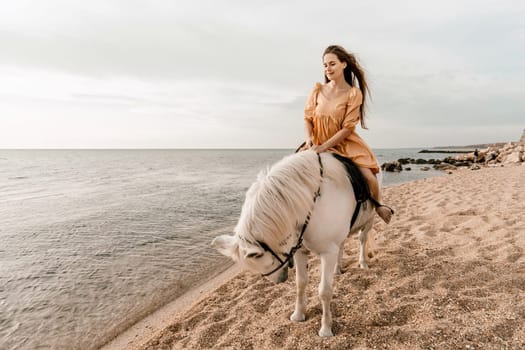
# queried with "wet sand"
point(449, 274)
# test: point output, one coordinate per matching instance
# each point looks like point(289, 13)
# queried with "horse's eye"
point(254, 255)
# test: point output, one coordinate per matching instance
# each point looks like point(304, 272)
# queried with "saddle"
point(359, 184)
point(358, 181)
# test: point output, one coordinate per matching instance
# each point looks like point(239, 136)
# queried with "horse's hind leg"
point(364, 237)
point(338, 269)
point(301, 280)
point(328, 261)
point(371, 244)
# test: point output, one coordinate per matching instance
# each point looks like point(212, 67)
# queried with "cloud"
point(244, 68)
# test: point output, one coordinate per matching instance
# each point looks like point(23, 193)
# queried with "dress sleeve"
point(311, 103)
point(353, 113)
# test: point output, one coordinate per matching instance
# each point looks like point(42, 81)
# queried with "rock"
point(421, 161)
point(514, 157)
point(521, 150)
point(404, 161)
point(463, 163)
point(475, 167)
point(491, 156)
point(449, 160)
point(392, 166)
point(425, 168)
point(507, 150)
point(407, 168)
point(444, 166)
point(470, 157)
point(462, 157)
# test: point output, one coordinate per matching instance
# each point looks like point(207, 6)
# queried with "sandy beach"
point(449, 274)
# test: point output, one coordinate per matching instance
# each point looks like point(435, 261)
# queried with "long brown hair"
point(354, 75)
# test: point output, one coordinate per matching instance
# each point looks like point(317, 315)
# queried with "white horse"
point(283, 215)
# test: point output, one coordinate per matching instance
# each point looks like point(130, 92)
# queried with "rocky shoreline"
point(494, 155)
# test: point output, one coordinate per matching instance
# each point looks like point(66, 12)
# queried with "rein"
point(299, 244)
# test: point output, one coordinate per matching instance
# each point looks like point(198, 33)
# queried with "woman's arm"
point(309, 129)
point(332, 141)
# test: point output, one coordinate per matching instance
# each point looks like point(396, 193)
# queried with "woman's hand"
point(332, 141)
point(318, 148)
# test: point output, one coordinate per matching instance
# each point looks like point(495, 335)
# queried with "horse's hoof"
point(326, 332)
point(297, 317)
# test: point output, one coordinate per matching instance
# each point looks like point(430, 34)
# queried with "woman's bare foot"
point(384, 213)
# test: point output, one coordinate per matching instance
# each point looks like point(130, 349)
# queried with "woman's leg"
point(383, 212)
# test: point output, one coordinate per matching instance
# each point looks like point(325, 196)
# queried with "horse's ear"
point(226, 245)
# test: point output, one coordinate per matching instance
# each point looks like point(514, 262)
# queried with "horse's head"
point(251, 256)
point(269, 216)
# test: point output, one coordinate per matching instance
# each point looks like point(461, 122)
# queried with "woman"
point(332, 113)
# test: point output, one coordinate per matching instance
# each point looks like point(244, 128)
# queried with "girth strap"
point(356, 214)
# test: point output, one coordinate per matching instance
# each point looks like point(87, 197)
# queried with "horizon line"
point(199, 148)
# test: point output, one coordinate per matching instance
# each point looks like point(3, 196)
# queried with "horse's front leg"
point(328, 261)
point(301, 280)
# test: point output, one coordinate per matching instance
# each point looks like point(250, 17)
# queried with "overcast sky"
point(199, 74)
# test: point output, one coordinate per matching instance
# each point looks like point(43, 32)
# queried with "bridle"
point(299, 244)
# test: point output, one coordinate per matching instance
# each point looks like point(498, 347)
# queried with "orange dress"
point(328, 116)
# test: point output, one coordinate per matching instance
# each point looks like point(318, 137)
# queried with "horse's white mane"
point(282, 196)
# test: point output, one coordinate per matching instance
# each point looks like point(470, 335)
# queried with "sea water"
point(93, 240)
